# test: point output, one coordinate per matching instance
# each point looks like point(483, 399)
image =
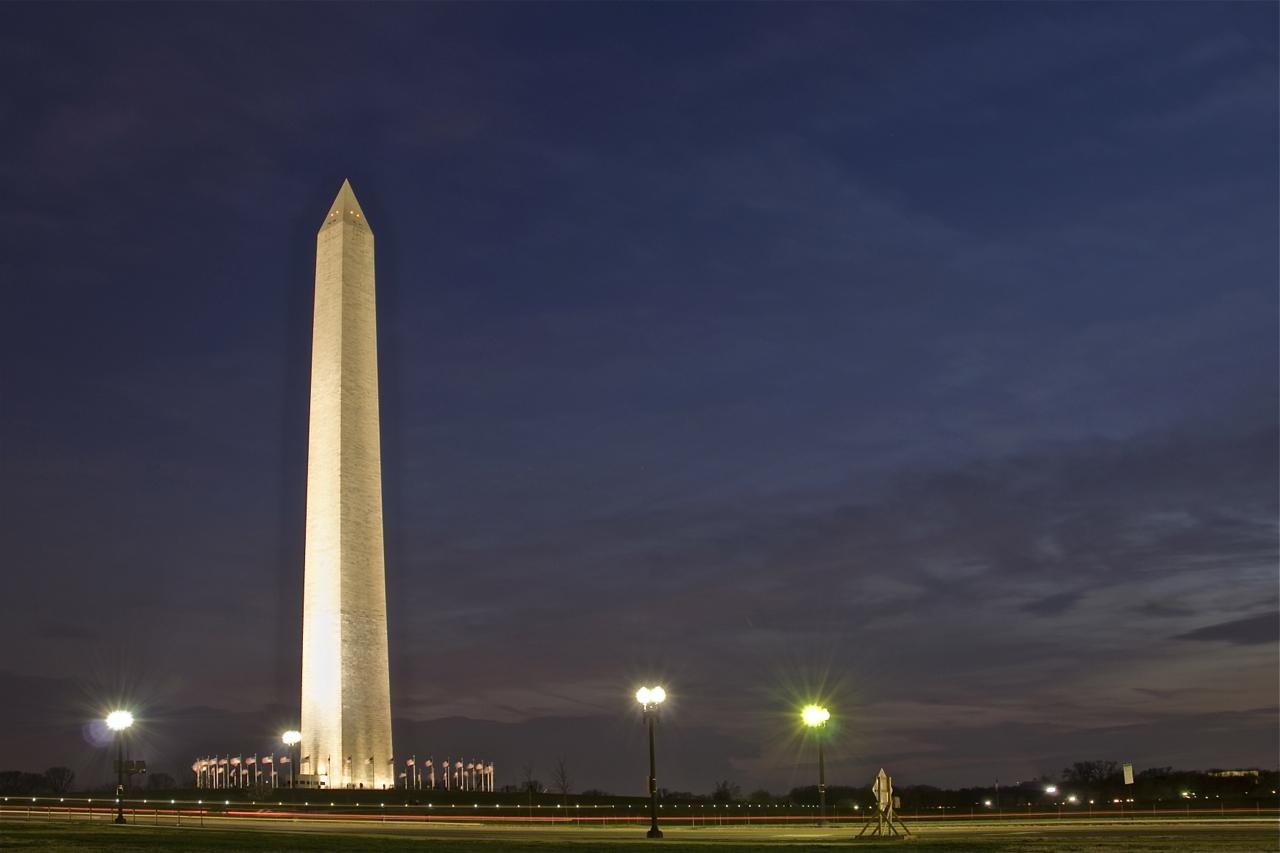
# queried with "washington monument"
point(346, 688)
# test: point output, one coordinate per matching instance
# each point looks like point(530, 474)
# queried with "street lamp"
point(118, 721)
point(815, 717)
point(650, 698)
point(292, 738)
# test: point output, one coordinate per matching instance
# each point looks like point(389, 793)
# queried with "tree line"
point(61, 780)
point(1099, 781)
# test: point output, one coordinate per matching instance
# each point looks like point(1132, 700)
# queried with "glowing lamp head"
point(648, 696)
point(814, 715)
point(118, 721)
point(291, 737)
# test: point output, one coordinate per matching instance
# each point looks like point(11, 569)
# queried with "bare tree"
point(1090, 772)
point(560, 781)
point(528, 783)
point(161, 781)
point(725, 791)
point(59, 779)
point(531, 785)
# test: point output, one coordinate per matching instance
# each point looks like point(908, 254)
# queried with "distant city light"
point(1051, 789)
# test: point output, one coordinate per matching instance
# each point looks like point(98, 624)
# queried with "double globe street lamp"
point(650, 698)
point(118, 721)
point(815, 717)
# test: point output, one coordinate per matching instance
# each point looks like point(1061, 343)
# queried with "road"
point(763, 834)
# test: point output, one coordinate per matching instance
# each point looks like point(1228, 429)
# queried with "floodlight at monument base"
point(650, 696)
point(291, 739)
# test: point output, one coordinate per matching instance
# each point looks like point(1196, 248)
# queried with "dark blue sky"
point(920, 357)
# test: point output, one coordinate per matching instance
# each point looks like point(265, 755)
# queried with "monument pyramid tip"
point(345, 206)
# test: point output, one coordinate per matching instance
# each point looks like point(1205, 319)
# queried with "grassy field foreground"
point(47, 838)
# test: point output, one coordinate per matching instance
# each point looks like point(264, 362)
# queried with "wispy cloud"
point(1250, 631)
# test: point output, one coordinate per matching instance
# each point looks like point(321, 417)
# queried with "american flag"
point(252, 759)
point(284, 759)
point(267, 759)
point(409, 763)
point(235, 762)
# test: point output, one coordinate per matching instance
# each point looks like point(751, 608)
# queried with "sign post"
point(882, 823)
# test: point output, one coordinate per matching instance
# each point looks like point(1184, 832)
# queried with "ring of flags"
point(237, 771)
point(453, 775)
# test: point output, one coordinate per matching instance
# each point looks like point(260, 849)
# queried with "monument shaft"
point(346, 690)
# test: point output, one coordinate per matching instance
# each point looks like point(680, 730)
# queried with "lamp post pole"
point(120, 776)
point(653, 832)
point(822, 782)
point(118, 721)
point(650, 698)
point(815, 717)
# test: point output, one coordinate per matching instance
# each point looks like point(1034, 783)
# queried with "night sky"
point(918, 358)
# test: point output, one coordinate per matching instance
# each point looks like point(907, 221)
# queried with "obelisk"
point(346, 688)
